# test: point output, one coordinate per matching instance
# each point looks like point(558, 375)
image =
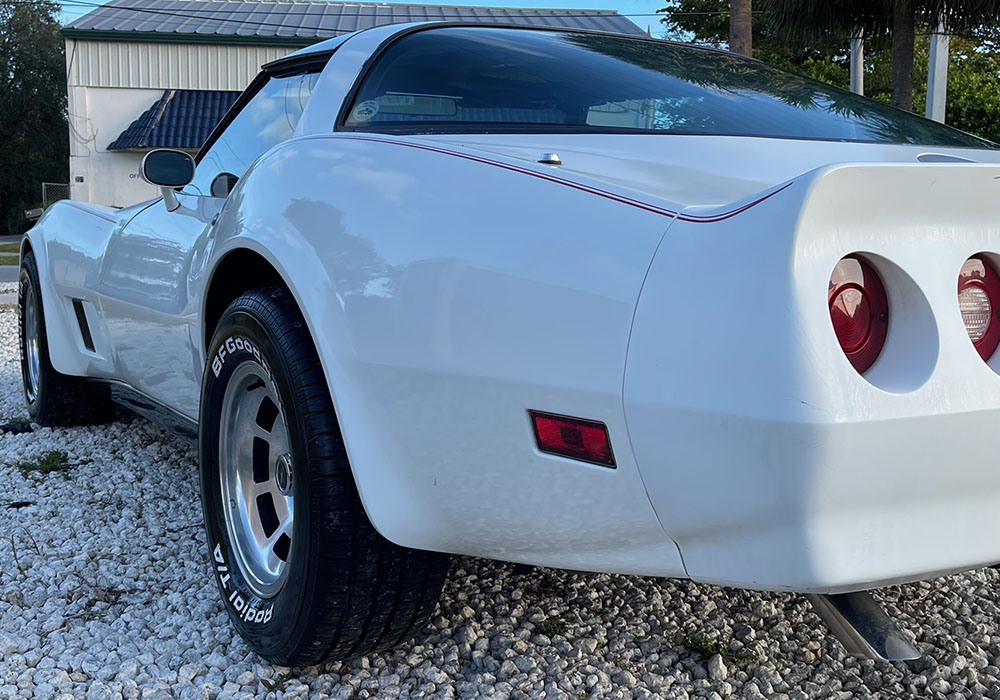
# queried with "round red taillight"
point(859, 310)
point(978, 301)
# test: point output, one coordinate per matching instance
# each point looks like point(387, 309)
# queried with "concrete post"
point(937, 75)
point(858, 63)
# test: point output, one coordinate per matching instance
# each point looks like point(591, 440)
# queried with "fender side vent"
point(81, 319)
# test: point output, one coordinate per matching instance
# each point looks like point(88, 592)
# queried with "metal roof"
point(179, 119)
point(304, 22)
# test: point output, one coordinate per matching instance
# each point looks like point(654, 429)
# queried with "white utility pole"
point(937, 75)
point(858, 62)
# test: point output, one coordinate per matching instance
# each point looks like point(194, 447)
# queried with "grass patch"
point(545, 584)
point(9, 260)
point(10, 248)
point(707, 648)
point(52, 462)
point(277, 685)
point(553, 626)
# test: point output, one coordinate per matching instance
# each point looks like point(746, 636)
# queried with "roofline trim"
point(376, 3)
point(519, 8)
point(190, 37)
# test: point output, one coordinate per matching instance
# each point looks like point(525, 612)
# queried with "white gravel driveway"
point(105, 593)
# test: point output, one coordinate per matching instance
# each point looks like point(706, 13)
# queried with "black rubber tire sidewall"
point(61, 400)
point(271, 626)
point(29, 278)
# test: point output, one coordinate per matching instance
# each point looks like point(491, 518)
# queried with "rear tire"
point(273, 466)
point(53, 398)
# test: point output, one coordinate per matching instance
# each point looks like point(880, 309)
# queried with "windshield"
point(467, 79)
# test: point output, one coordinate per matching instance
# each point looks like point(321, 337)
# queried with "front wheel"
point(303, 574)
point(53, 398)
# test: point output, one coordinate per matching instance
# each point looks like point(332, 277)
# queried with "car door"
point(153, 271)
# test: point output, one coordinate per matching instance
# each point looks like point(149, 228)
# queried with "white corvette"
point(554, 297)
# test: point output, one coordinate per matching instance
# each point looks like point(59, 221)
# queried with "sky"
point(642, 12)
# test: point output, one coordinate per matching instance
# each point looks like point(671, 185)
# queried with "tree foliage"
point(882, 21)
point(973, 71)
point(34, 140)
point(812, 19)
point(707, 22)
point(973, 85)
point(703, 21)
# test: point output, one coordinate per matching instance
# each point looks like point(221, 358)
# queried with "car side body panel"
point(69, 243)
point(441, 315)
point(151, 291)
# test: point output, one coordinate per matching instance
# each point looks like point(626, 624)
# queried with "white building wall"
point(97, 117)
point(167, 65)
point(111, 83)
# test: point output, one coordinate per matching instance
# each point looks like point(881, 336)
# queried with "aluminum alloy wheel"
point(32, 343)
point(255, 470)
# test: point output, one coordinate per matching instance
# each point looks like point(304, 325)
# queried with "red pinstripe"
point(693, 218)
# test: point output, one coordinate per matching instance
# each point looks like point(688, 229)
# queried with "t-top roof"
point(303, 22)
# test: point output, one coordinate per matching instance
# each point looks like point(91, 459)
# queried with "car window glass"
point(268, 118)
point(456, 79)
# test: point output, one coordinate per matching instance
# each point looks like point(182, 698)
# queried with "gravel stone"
point(106, 593)
point(717, 670)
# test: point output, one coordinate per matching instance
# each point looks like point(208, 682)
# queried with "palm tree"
point(903, 35)
point(895, 20)
point(740, 30)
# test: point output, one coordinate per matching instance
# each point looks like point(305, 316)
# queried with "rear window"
point(467, 79)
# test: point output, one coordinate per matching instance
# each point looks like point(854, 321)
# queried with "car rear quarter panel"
point(770, 461)
point(446, 298)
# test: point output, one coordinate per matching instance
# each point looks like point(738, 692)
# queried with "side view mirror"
point(168, 169)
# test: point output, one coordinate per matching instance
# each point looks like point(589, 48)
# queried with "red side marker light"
point(576, 438)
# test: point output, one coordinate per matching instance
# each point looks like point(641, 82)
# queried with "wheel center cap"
point(283, 474)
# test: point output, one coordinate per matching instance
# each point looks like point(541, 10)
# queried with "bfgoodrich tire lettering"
point(341, 590)
point(53, 398)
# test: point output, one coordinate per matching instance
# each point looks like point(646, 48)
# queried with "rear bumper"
point(828, 507)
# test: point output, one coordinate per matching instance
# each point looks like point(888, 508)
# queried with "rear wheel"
point(53, 398)
point(303, 574)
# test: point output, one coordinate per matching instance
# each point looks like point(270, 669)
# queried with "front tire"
point(53, 398)
point(303, 574)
